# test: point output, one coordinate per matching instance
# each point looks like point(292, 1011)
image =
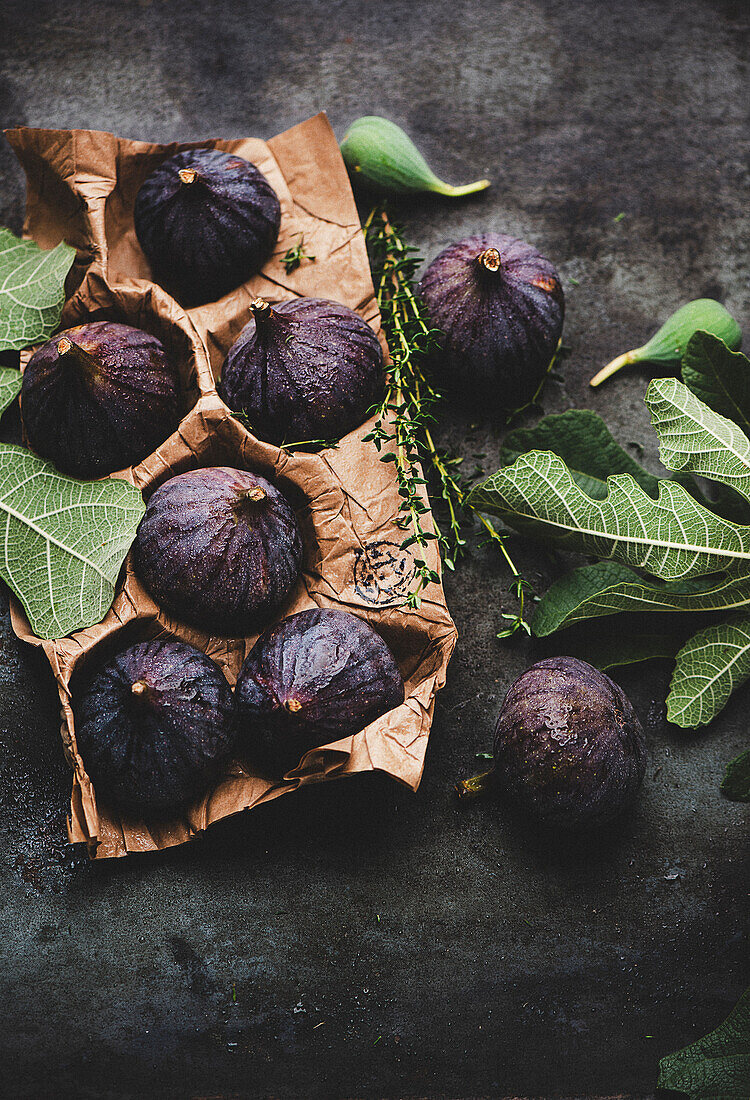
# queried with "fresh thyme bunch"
point(407, 413)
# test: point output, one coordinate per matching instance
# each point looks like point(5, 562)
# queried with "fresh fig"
point(307, 369)
point(154, 725)
point(99, 397)
point(569, 748)
point(220, 548)
point(316, 677)
point(207, 221)
point(499, 306)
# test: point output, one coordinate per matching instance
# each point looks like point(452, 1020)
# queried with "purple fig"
point(308, 369)
point(499, 306)
point(154, 725)
point(220, 548)
point(569, 748)
point(316, 677)
point(99, 397)
point(207, 222)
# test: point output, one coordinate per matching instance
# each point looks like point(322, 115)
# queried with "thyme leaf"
point(405, 420)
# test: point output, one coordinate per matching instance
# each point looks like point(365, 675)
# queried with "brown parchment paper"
point(81, 186)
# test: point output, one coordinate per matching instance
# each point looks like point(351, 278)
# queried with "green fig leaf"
point(709, 667)
point(62, 542)
point(736, 782)
point(716, 1067)
point(719, 377)
point(584, 442)
point(10, 387)
point(32, 293)
point(693, 437)
point(606, 588)
point(673, 538)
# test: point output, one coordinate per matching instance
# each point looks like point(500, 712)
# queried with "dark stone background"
point(358, 940)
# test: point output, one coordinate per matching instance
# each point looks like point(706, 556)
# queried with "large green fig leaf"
point(710, 666)
point(585, 444)
point(607, 587)
point(31, 290)
point(736, 782)
point(719, 377)
point(673, 537)
point(693, 437)
point(10, 387)
point(717, 1067)
point(62, 542)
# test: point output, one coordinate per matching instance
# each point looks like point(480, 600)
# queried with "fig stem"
point(68, 349)
point(253, 495)
point(188, 175)
point(477, 787)
point(260, 309)
point(490, 260)
point(617, 364)
point(140, 687)
point(462, 189)
point(292, 705)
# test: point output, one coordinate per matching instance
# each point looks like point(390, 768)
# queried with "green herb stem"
point(407, 412)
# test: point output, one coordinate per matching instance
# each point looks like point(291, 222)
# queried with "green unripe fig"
point(382, 154)
point(669, 343)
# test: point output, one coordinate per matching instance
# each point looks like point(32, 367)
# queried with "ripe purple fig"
point(569, 748)
point(207, 221)
point(308, 369)
point(99, 397)
point(499, 306)
point(220, 548)
point(316, 677)
point(154, 725)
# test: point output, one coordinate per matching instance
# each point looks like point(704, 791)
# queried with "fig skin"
point(207, 221)
point(500, 307)
point(220, 548)
point(303, 370)
point(569, 749)
point(154, 725)
point(316, 677)
point(99, 397)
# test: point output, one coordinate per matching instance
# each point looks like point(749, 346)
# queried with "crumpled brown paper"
point(81, 186)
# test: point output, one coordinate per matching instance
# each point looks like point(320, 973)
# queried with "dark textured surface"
point(357, 940)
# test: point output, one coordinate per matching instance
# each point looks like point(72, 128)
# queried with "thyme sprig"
point(406, 416)
point(294, 256)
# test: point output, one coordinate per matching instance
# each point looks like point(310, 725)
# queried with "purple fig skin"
point(316, 677)
point(154, 725)
point(501, 318)
point(220, 548)
point(302, 370)
point(569, 748)
point(207, 221)
point(99, 397)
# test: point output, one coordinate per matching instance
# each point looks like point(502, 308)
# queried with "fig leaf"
point(693, 437)
point(710, 666)
point(10, 386)
point(584, 442)
point(62, 542)
point(606, 588)
point(736, 782)
point(703, 558)
point(719, 377)
point(716, 1067)
point(32, 293)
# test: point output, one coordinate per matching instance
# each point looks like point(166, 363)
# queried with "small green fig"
point(669, 343)
point(387, 158)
